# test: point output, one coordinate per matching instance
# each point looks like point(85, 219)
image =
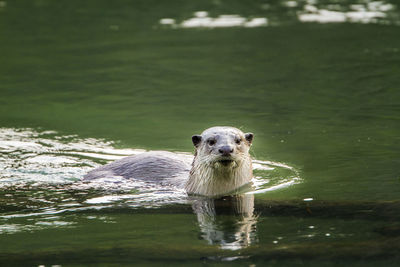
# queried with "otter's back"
point(157, 166)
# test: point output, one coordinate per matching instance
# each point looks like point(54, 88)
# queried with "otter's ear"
point(196, 139)
point(249, 137)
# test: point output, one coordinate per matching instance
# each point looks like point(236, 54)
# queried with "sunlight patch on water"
point(364, 12)
point(201, 19)
point(369, 12)
point(150, 199)
point(15, 228)
point(39, 225)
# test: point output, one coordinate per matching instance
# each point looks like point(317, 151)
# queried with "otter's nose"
point(225, 150)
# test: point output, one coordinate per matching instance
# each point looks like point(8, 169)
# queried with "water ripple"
point(41, 175)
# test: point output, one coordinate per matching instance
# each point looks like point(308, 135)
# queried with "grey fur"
point(155, 166)
point(221, 164)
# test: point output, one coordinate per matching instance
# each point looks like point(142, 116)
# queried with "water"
point(84, 83)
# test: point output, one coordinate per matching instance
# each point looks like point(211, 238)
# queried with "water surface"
point(83, 83)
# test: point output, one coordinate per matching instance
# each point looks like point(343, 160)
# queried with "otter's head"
point(222, 163)
point(222, 147)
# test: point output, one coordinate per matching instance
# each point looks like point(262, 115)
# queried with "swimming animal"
point(220, 166)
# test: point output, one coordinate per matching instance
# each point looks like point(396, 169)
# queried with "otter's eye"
point(238, 141)
point(211, 142)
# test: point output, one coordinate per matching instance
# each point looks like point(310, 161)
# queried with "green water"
point(320, 97)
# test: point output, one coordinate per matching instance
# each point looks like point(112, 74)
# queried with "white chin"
point(225, 164)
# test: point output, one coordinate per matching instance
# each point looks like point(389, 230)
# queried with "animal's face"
point(224, 145)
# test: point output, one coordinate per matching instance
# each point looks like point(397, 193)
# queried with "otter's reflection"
point(229, 221)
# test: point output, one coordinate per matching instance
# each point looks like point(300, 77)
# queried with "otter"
point(221, 164)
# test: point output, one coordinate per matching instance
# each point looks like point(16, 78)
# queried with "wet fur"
point(207, 175)
point(156, 166)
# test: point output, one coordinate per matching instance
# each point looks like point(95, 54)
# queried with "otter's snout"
point(225, 150)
